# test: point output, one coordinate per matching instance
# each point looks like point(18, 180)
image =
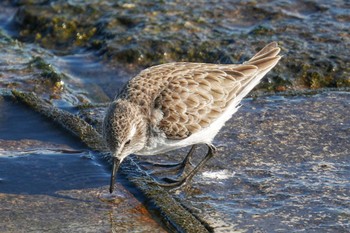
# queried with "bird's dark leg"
point(175, 166)
point(211, 152)
point(187, 159)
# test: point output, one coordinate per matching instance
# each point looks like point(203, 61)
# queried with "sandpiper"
point(173, 105)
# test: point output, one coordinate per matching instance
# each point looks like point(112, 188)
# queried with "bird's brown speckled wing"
point(199, 94)
point(192, 95)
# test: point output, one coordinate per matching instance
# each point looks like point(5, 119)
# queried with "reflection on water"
point(49, 173)
point(19, 122)
point(37, 158)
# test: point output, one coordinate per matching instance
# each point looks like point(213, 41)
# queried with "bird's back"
point(184, 98)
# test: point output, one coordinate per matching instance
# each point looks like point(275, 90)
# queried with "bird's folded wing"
point(198, 94)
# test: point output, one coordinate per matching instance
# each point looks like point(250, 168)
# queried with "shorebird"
point(174, 105)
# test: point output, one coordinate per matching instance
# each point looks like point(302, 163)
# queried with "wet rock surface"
point(74, 211)
point(282, 165)
point(312, 34)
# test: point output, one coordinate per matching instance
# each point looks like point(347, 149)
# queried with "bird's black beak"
point(116, 163)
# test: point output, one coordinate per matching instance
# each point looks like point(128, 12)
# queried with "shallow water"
point(90, 77)
point(50, 182)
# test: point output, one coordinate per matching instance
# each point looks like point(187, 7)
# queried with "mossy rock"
point(137, 34)
point(46, 26)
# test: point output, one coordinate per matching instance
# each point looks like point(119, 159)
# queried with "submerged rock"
point(22, 67)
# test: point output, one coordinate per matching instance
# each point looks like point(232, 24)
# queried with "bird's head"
point(124, 131)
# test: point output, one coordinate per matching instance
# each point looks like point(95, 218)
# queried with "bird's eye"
point(127, 142)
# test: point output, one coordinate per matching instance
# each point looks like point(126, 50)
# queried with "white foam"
point(218, 175)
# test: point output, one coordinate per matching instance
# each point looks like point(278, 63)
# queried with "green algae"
point(47, 70)
point(23, 67)
point(275, 83)
point(314, 78)
point(4, 38)
point(53, 26)
point(262, 30)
